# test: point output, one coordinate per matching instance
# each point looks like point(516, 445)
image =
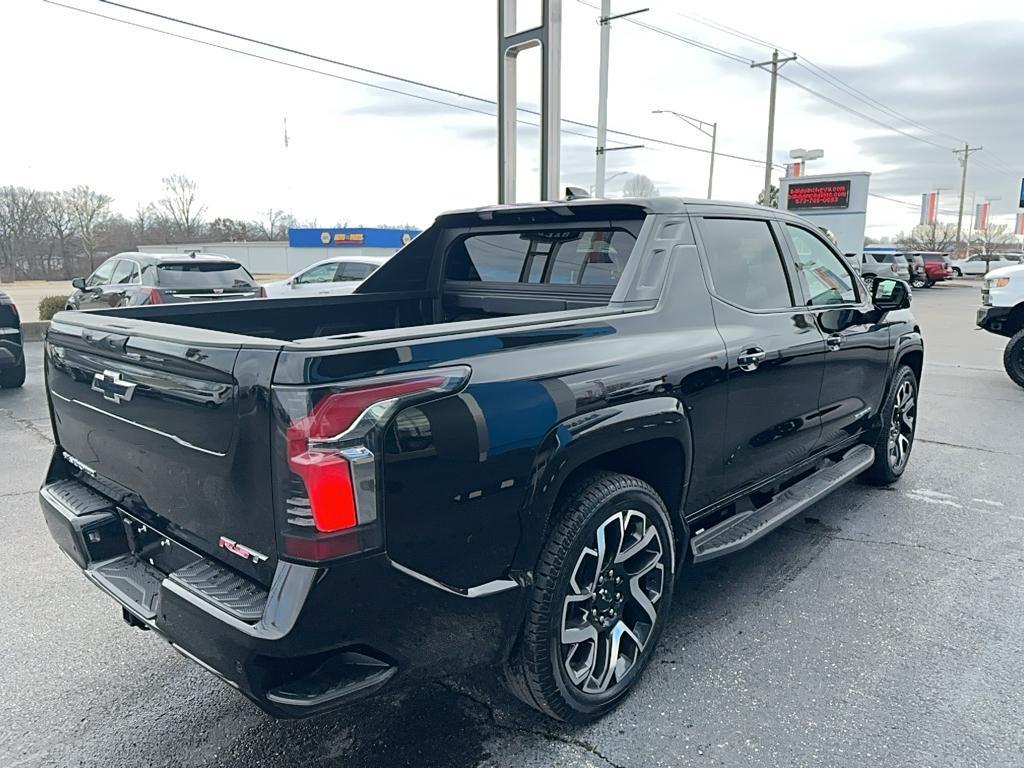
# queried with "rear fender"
point(585, 439)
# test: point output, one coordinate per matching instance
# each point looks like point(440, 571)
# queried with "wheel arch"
point(649, 439)
point(1014, 321)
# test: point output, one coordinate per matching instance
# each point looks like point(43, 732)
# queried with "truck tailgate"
point(181, 430)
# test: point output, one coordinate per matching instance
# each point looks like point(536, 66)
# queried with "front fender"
point(581, 439)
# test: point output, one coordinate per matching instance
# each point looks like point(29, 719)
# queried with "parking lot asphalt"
point(882, 627)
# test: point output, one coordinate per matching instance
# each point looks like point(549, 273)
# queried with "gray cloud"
point(959, 81)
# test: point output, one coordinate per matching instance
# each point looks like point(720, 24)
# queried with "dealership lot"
point(880, 627)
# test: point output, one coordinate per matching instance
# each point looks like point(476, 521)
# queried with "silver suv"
point(884, 264)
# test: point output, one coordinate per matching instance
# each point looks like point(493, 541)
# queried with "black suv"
point(12, 355)
point(132, 279)
point(502, 449)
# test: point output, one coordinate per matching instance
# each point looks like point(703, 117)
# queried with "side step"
point(743, 529)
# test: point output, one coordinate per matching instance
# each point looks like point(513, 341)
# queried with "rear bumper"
point(316, 639)
point(993, 319)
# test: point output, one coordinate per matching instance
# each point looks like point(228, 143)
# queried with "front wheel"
point(899, 425)
point(918, 282)
point(601, 594)
point(1013, 358)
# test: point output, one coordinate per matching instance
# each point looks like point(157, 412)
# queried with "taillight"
point(327, 470)
point(153, 295)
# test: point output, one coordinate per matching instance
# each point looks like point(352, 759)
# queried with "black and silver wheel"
point(957, 272)
point(899, 424)
point(601, 592)
point(1013, 358)
point(918, 282)
point(13, 377)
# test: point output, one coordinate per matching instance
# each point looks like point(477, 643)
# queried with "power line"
point(395, 91)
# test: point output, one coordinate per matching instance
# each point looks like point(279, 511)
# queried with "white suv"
point(1002, 312)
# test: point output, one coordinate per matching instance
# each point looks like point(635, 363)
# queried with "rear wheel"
point(1013, 358)
point(957, 272)
point(13, 377)
point(601, 593)
point(899, 425)
point(918, 282)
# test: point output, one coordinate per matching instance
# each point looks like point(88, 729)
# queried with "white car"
point(336, 276)
point(975, 265)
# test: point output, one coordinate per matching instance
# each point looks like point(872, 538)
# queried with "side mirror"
point(78, 283)
point(888, 295)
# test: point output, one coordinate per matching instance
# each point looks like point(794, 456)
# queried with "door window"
point(102, 275)
point(322, 273)
point(746, 266)
point(354, 271)
point(826, 277)
point(123, 273)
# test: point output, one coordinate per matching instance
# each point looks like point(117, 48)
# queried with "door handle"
point(833, 342)
point(751, 359)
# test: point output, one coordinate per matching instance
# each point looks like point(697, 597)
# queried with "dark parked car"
point(12, 355)
point(501, 449)
point(937, 267)
point(132, 279)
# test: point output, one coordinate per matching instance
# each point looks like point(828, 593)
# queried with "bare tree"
point(182, 206)
point(929, 237)
point(639, 186)
point(143, 221)
point(90, 210)
point(60, 220)
point(21, 225)
point(992, 239)
point(273, 224)
point(773, 197)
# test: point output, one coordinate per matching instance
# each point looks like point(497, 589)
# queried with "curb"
point(34, 331)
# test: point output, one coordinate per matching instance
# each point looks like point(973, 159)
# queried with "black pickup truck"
point(500, 450)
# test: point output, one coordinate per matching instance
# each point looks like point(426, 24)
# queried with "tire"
point(957, 272)
point(578, 681)
point(918, 282)
point(1013, 358)
point(868, 279)
point(13, 377)
point(899, 412)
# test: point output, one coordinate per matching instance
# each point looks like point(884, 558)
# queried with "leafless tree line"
point(53, 235)
point(942, 237)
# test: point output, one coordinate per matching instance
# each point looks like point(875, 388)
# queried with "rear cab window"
point(203, 274)
point(577, 256)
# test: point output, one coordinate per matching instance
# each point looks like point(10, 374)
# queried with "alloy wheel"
point(901, 427)
point(611, 607)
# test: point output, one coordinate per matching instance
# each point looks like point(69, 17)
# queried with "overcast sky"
point(92, 101)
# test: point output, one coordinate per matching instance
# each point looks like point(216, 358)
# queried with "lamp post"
point(700, 125)
point(803, 155)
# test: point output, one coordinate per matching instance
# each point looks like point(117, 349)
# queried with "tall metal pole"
point(711, 170)
point(775, 62)
point(602, 97)
point(963, 186)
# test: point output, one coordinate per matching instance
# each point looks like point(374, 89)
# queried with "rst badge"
point(241, 550)
point(113, 387)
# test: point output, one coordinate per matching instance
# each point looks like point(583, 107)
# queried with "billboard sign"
point(818, 194)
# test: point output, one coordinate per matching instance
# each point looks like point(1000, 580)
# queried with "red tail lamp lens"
point(323, 469)
point(154, 296)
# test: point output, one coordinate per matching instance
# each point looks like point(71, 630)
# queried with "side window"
point(102, 275)
point(828, 281)
point(123, 273)
point(324, 273)
point(746, 266)
point(353, 271)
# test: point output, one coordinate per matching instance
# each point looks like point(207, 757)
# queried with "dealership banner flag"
point(1020, 224)
point(981, 216)
point(929, 207)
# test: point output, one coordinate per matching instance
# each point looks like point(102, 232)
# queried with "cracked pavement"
point(880, 627)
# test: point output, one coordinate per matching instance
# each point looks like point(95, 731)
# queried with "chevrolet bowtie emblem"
point(113, 387)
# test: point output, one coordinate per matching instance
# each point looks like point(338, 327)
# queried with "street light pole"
point(701, 126)
point(775, 63)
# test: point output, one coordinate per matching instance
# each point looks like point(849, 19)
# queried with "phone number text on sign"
point(831, 194)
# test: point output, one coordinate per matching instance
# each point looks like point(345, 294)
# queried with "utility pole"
point(701, 126)
point(775, 63)
point(602, 94)
point(963, 155)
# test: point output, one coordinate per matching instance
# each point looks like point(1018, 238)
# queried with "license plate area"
point(152, 547)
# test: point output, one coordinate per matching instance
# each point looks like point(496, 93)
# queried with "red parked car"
point(937, 267)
